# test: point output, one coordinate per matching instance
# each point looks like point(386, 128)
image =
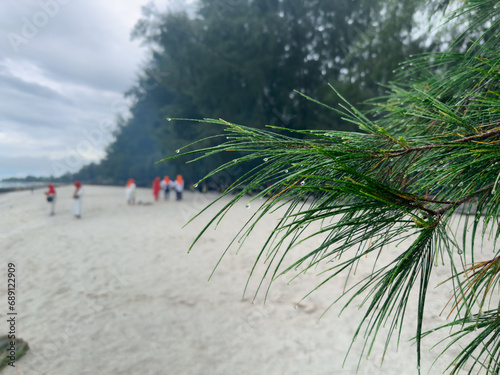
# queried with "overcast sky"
point(64, 66)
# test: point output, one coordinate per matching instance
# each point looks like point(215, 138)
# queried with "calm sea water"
point(21, 185)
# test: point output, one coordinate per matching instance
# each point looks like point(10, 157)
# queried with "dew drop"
point(286, 170)
point(266, 159)
point(235, 160)
point(177, 151)
point(169, 119)
point(302, 182)
point(248, 206)
point(195, 185)
point(460, 252)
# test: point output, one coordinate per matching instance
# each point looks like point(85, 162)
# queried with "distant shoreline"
point(8, 186)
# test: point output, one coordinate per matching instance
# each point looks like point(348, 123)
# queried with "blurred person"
point(165, 186)
point(179, 186)
point(156, 188)
point(51, 199)
point(77, 199)
point(130, 191)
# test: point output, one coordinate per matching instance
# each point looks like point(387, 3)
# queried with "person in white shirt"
point(178, 185)
point(51, 199)
point(77, 198)
point(165, 186)
point(130, 191)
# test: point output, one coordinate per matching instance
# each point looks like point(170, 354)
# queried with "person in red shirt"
point(156, 188)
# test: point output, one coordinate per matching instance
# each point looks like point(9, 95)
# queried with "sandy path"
point(117, 293)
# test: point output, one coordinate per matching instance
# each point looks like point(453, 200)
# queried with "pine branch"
point(433, 145)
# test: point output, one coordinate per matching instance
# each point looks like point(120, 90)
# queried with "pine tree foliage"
point(429, 148)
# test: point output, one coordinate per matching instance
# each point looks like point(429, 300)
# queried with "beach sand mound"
point(11, 350)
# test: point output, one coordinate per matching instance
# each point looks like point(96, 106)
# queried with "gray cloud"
point(25, 166)
point(64, 64)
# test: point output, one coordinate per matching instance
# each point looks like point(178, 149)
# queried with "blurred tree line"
point(244, 61)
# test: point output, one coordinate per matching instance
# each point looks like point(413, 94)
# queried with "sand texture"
point(116, 292)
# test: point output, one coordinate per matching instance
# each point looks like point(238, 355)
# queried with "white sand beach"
point(117, 292)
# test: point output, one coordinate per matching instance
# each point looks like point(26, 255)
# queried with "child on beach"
point(165, 185)
point(130, 191)
point(51, 199)
point(156, 188)
point(77, 198)
point(179, 186)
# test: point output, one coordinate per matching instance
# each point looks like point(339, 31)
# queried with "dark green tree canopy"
point(245, 62)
